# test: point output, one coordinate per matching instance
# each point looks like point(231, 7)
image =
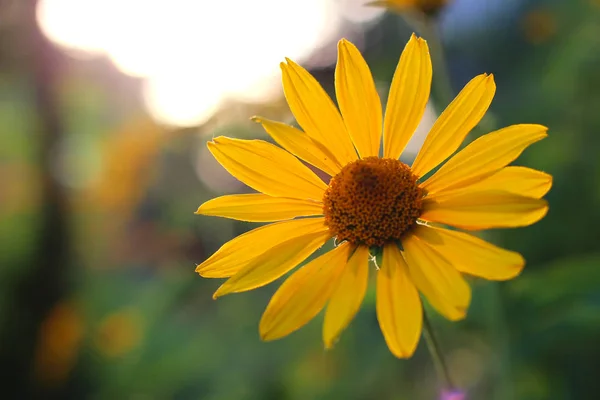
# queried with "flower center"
point(372, 201)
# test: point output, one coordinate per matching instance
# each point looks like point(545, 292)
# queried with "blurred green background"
point(99, 182)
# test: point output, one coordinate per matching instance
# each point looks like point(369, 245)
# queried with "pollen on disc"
point(372, 201)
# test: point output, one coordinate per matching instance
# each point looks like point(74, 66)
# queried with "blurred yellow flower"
point(60, 339)
point(128, 155)
point(429, 7)
point(539, 26)
point(372, 204)
point(119, 333)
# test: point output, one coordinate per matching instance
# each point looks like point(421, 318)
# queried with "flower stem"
point(436, 353)
point(441, 76)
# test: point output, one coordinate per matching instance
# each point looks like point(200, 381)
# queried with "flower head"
point(372, 203)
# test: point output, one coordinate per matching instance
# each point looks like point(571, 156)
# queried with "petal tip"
point(461, 313)
point(344, 47)
point(350, 50)
point(518, 268)
point(402, 354)
point(216, 140)
point(202, 209)
point(544, 211)
point(200, 270)
point(265, 333)
point(521, 263)
point(403, 351)
point(222, 291)
point(329, 340)
point(207, 272)
point(539, 129)
point(265, 337)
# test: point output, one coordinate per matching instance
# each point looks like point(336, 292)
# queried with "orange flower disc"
point(372, 201)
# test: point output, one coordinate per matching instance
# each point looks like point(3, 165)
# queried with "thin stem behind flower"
point(436, 353)
point(442, 83)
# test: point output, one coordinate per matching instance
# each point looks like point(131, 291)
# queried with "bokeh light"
point(193, 55)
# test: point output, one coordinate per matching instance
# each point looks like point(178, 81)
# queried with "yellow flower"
point(429, 7)
point(60, 339)
point(539, 26)
point(119, 333)
point(373, 203)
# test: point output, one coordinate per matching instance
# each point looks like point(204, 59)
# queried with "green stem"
point(441, 75)
point(436, 353)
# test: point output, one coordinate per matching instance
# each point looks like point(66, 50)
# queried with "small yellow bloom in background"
point(428, 7)
point(127, 158)
point(119, 333)
point(539, 26)
point(373, 203)
point(60, 339)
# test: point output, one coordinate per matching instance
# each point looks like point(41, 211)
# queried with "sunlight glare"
point(194, 54)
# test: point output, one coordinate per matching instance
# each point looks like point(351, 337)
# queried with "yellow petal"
point(484, 210)
point(267, 168)
point(399, 309)
point(239, 252)
point(517, 180)
point(450, 129)
point(358, 99)
point(347, 297)
point(259, 207)
point(273, 263)
point(301, 145)
point(315, 112)
point(484, 156)
point(471, 255)
point(303, 294)
point(437, 279)
point(408, 97)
